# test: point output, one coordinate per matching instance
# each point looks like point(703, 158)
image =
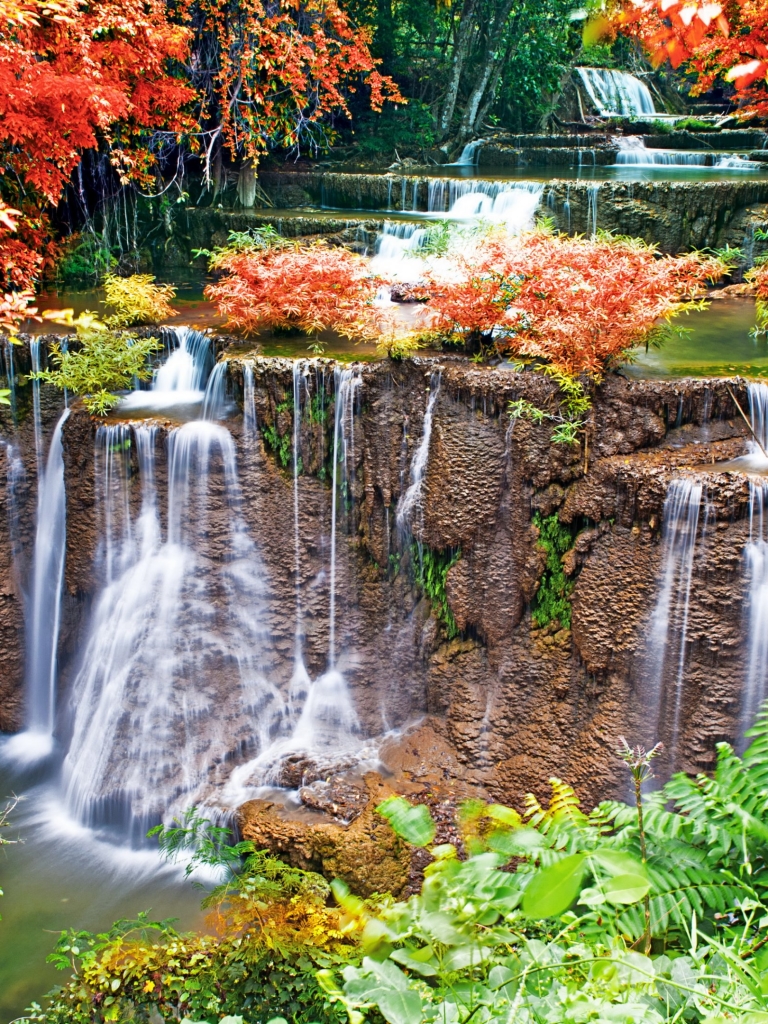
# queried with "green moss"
point(431, 570)
point(552, 600)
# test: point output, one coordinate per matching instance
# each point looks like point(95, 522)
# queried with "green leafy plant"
point(251, 240)
point(552, 599)
point(431, 571)
point(137, 300)
point(101, 362)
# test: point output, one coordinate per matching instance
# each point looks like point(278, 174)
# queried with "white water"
point(409, 504)
point(593, 191)
point(250, 426)
point(756, 560)
point(44, 610)
point(178, 608)
point(181, 379)
point(34, 351)
point(616, 92)
point(667, 646)
point(469, 155)
point(347, 382)
point(633, 153)
point(512, 205)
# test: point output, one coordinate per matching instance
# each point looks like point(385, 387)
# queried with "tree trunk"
point(490, 92)
point(460, 53)
point(492, 59)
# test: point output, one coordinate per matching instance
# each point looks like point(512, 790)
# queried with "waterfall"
point(34, 352)
point(44, 612)
point(152, 724)
point(593, 190)
point(181, 379)
point(411, 499)
point(756, 560)
point(616, 92)
point(250, 425)
point(632, 153)
point(347, 382)
point(512, 204)
point(681, 521)
point(215, 398)
point(469, 154)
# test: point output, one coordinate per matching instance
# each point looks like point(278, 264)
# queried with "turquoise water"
point(717, 343)
point(61, 876)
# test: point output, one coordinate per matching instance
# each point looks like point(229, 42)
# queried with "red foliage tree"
point(271, 73)
point(727, 40)
point(311, 287)
point(578, 304)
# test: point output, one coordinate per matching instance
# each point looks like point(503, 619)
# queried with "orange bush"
point(579, 304)
point(311, 287)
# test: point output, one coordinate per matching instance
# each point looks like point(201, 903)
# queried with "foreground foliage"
point(290, 286)
point(633, 914)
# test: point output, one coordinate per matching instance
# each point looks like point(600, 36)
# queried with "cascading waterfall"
point(633, 153)
point(150, 724)
point(669, 622)
point(182, 378)
point(250, 426)
point(410, 500)
point(215, 399)
point(44, 609)
point(469, 155)
point(616, 92)
point(756, 560)
point(10, 373)
point(593, 191)
point(512, 204)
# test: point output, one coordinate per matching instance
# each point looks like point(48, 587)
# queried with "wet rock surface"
point(511, 702)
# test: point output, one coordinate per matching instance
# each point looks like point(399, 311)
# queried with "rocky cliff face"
point(513, 701)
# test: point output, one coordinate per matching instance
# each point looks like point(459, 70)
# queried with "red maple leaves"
point(727, 40)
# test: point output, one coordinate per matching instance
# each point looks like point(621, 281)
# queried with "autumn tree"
point(725, 41)
point(272, 74)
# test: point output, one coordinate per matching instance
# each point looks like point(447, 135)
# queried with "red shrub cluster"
point(576, 303)
point(311, 287)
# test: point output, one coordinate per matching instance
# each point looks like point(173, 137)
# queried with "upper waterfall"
point(616, 92)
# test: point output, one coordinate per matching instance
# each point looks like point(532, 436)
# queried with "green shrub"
point(101, 362)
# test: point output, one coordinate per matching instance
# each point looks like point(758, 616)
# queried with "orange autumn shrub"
point(310, 287)
point(576, 303)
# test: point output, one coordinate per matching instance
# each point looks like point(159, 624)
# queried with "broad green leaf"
point(554, 889)
point(626, 888)
point(407, 959)
point(400, 1007)
point(504, 815)
point(412, 823)
point(441, 928)
point(465, 956)
point(617, 863)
